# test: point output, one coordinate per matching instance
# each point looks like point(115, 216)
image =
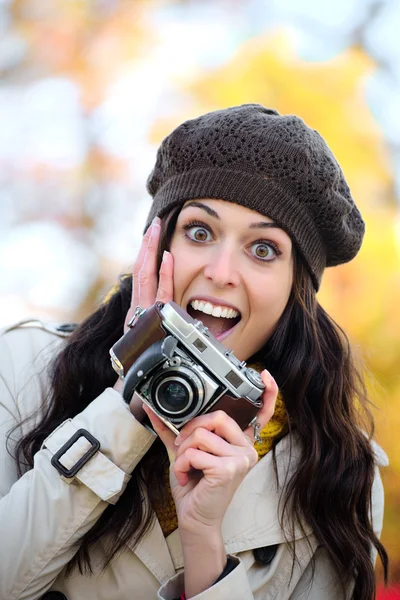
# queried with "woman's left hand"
point(209, 459)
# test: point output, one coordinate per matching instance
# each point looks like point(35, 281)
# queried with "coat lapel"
point(153, 551)
point(252, 519)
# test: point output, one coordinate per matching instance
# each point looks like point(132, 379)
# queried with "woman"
point(248, 209)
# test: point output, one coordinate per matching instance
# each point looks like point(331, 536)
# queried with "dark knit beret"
point(274, 164)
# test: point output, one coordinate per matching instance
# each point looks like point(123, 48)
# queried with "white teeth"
point(215, 311)
point(208, 308)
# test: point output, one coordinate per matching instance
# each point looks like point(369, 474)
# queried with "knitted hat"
point(274, 164)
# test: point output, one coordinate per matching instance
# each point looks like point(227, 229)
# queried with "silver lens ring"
point(160, 403)
point(191, 383)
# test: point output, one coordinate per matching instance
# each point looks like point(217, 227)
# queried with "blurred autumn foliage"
point(69, 38)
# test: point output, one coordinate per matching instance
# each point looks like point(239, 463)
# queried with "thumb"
point(269, 400)
point(164, 433)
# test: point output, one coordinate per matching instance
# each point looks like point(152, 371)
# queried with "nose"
point(222, 268)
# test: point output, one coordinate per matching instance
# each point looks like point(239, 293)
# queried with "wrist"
point(212, 536)
point(205, 549)
point(137, 411)
point(135, 405)
point(119, 384)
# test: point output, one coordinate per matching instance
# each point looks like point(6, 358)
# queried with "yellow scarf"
point(275, 428)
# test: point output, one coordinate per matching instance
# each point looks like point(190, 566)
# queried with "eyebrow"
point(213, 213)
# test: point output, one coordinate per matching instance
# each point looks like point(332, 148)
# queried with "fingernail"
point(165, 255)
point(156, 221)
point(154, 231)
point(178, 440)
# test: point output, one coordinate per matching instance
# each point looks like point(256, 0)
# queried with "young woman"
point(101, 500)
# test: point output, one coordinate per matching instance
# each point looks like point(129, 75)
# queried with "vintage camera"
point(180, 370)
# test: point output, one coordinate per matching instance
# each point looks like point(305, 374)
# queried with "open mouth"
point(220, 327)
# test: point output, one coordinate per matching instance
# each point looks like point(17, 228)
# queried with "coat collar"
point(251, 520)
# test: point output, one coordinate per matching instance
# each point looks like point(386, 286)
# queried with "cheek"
point(186, 257)
point(184, 268)
point(268, 300)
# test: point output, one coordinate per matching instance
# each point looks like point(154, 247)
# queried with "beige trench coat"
point(43, 514)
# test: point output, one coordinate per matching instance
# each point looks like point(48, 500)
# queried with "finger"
point(269, 400)
point(218, 422)
point(163, 432)
point(221, 468)
point(165, 292)
point(148, 278)
point(137, 266)
point(193, 459)
point(205, 440)
point(135, 275)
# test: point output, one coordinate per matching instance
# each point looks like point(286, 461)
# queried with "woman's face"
point(226, 257)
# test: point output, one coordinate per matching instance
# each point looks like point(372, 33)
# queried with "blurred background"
point(88, 89)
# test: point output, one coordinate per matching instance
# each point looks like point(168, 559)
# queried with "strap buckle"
point(55, 459)
point(139, 311)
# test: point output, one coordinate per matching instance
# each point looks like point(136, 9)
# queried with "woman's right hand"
point(148, 288)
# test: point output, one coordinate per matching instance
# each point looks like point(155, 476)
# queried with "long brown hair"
point(327, 408)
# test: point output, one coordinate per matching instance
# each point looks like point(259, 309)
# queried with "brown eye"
point(265, 251)
point(262, 251)
point(200, 234)
point(197, 233)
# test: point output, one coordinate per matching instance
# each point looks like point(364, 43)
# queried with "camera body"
point(180, 370)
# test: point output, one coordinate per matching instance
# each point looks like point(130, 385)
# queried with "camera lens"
point(174, 396)
point(177, 393)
